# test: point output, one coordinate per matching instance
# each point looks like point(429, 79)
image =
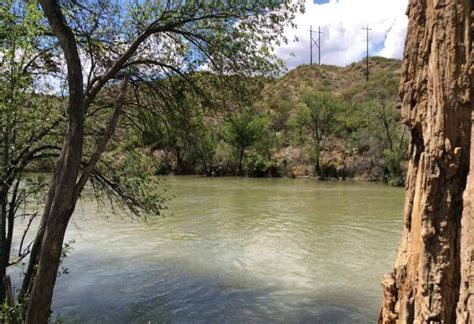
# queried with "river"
point(235, 250)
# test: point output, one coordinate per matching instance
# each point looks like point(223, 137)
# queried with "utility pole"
point(315, 42)
point(367, 71)
point(311, 44)
point(319, 45)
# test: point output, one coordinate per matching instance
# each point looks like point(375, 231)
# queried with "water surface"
point(236, 250)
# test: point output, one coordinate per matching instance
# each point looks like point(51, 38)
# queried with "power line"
point(315, 43)
point(367, 71)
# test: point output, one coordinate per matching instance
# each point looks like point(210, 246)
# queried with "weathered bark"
point(465, 310)
point(436, 92)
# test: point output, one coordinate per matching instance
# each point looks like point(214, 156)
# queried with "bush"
point(13, 314)
point(328, 171)
point(393, 172)
point(257, 165)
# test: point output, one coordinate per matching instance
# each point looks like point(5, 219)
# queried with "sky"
point(344, 40)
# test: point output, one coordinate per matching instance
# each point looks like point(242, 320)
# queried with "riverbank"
point(330, 173)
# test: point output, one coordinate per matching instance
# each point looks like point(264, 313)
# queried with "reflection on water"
point(236, 250)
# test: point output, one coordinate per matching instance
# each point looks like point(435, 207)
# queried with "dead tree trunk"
point(465, 310)
point(436, 91)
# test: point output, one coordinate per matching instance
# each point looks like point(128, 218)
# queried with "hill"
point(349, 82)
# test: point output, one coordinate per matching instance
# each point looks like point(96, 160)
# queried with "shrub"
point(393, 171)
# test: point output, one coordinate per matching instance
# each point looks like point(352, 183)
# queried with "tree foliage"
point(243, 130)
point(321, 118)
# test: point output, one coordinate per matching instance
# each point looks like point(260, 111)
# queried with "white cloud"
point(344, 40)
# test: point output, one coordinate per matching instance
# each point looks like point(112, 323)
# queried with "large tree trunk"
point(436, 91)
point(465, 310)
point(61, 196)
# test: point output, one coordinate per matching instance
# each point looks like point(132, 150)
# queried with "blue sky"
point(344, 40)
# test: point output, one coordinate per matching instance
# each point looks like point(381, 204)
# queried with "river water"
point(234, 250)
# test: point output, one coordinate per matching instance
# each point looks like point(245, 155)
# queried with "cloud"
point(343, 39)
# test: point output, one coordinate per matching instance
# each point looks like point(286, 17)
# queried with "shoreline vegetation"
point(322, 122)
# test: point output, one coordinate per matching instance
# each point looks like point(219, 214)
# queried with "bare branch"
point(20, 249)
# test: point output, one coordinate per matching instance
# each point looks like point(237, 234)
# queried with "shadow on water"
point(166, 296)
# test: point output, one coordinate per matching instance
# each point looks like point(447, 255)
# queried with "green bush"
point(393, 172)
point(257, 165)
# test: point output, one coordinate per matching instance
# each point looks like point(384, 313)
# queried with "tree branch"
point(103, 141)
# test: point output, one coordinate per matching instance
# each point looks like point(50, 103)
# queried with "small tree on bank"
point(242, 131)
point(321, 118)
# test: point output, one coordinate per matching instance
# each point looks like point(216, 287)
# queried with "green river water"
point(234, 250)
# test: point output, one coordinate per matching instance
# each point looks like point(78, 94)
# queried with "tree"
point(435, 257)
point(110, 43)
point(174, 130)
point(298, 122)
point(322, 122)
point(188, 126)
point(387, 124)
point(242, 131)
point(376, 124)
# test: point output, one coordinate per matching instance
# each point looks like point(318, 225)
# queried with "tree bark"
point(436, 91)
point(62, 201)
point(66, 186)
point(465, 309)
